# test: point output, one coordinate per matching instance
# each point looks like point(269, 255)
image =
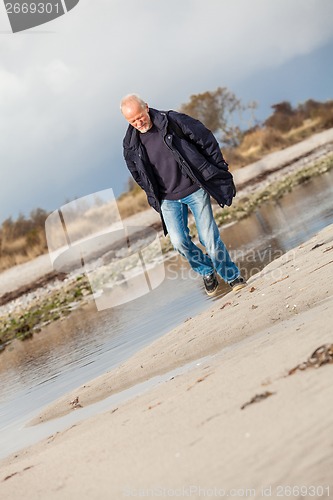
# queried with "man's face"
point(137, 116)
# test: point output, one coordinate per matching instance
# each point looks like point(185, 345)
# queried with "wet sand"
point(195, 434)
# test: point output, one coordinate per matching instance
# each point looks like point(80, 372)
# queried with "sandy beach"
point(235, 424)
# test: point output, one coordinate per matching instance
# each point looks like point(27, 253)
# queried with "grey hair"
point(132, 98)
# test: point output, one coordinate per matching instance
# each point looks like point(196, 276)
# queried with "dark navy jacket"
point(195, 149)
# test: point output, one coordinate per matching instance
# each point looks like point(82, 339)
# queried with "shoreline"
point(194, 428)
point(151, 361)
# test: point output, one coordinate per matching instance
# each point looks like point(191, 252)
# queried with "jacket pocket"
point(208, 170)
point(222, 189)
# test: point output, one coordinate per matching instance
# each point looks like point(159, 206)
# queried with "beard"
point(145, 128)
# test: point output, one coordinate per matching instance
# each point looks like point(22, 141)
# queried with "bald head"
point(136, 112)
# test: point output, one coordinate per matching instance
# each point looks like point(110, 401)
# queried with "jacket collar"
point(159, 118)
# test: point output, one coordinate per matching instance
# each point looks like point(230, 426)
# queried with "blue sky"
point(60, 84)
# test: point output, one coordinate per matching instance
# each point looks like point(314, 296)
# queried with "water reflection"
point(281, 225)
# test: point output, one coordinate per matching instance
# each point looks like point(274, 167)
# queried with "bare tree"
point(221, 112)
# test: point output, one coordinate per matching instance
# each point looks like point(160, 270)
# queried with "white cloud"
point(11, 89)
point(60, 84)
point(58, 76)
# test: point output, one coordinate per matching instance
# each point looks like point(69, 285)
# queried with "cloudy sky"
point(60, 84)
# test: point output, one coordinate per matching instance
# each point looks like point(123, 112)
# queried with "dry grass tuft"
point(132, 203)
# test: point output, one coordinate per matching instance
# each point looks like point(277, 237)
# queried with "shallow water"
point(88, 343)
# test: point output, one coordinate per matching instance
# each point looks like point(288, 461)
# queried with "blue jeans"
point(175, 215)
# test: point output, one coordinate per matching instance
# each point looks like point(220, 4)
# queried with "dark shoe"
point(210, 283)
point(238, 284)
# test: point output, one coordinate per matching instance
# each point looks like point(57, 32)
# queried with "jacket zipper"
point(181, 160)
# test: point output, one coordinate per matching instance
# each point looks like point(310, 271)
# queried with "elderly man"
point(177, 161)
